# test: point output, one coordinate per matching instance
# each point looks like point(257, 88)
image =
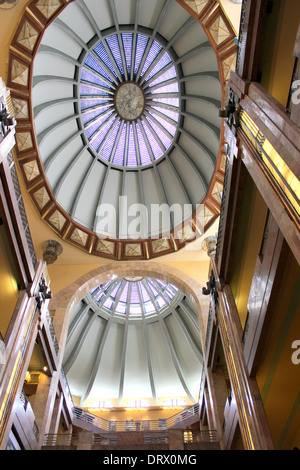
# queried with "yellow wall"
point(278, 377)
point(277, 60)
point(248, 243)
point(9, 292)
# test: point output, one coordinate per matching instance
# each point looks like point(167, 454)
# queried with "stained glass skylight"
point(134, 298)
point(129, 99)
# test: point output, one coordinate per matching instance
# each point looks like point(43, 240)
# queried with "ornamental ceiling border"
point(38, 15)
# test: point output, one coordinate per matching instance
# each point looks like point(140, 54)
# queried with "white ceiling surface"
point(110, 358)
point(78, 180)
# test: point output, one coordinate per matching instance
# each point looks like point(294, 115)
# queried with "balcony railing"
point(135, 425)
point(111, 439)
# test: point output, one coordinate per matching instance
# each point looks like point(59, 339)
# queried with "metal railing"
point(66, 440)
point(135, 425)
point(111, 439)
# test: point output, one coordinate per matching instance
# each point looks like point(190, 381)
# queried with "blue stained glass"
point(88, 103)
point(95, 126)
point(86, 118)
point(151, 56)
point(161, 63)
point(167, 125)
point(166, 141)
point(88, 76)
point(165, 100)
point(156, 149)
point(144, 152)
point(145, 294)
point(114, 46)
point(108, 146)
point(169, 88)
point(103, 55)
point(141, 45)
point(96, 66)
point(131, 156)
point(135, 300)
point(127, 39)
point(98, 139)
point(120, 149)
point(90, 90)
point(149, 140)
point(134, 297)
point(172, 114)
point(123, 297)
point(167, 75)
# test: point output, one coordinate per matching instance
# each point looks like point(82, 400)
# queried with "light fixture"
point(51, 250)
point(8, 4)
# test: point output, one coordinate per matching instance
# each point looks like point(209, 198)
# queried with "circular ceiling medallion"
point(129, 101)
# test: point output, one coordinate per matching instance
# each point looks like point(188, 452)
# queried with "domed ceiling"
point(119, 138)
point(134, 339)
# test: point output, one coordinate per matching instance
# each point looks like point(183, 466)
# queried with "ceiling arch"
point(169, 155)
point(147, 343)
point(162, 319)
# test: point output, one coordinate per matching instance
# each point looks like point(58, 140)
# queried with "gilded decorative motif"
point(216, 193)
point(105, 247)
point(19, 73)
point(196, 5)
point(79, 236)
point(42, 197)
point(219, 30)
point(133, 249)
point(28, 36)
point(229, 64)
point(31, 170)
point(160, 245)
point(57, 220)
point(24, 141)
point(20, 108)
point(48, 7)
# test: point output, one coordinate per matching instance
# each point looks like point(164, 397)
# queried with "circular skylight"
point(134, 298)
point(129, 97)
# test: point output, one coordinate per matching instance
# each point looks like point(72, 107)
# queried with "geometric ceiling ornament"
point(197, 5)
point(20, 108)
point(48, 7)
point(31, 170)
point(41, 197)
point(27, 36)
point(79, 236)
point(228, 64)
point(219, 30)
point(122, 117)
point(57, 220)
point(24, 141)
point(217, 192)
point(105, 247)
point(160, 245)
point(19, 73)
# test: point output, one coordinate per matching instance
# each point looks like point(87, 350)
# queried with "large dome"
point(125, 101)
point(119, 138)
point(134, 338)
